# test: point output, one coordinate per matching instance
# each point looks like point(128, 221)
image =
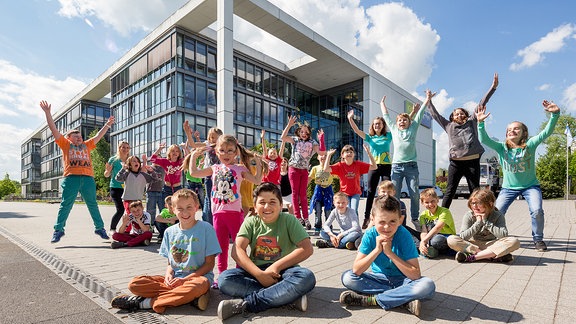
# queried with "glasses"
point(227, 152)
point(476, 203)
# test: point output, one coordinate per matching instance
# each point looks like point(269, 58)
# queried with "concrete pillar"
point(225, 42)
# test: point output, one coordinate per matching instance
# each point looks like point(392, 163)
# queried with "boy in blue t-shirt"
point(387, 248)
point(191, 249)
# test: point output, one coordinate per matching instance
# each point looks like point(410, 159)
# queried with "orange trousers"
point(164, 296)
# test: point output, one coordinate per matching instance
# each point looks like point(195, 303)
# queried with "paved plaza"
point(537, 287)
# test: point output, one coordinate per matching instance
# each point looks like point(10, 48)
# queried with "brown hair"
point(267, 187)
point(168, 200)
point(171, 148)
point(386, 185)
point(404, 115)
point(451, 118)
point(428, 193)
point(485, 197)
point(340, 194)
point(185, 194)
point(129, 160)
point(385, 203)
point(136, 203)
point(371, 130)
point(523, 139)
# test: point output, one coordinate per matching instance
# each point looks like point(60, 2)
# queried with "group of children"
point(269, 245)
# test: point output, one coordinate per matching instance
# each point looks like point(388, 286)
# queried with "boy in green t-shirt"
point(270, 275)
point(437, 224)
point(166, 218)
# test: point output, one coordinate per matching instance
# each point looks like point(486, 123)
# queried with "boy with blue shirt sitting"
point(191, 248)
point(388, 249)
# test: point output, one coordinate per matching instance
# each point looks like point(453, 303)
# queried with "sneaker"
point(127, 302)
point(102, 233)
point(230, 307)
point(464, 257)
point(413, 307)
point(316, 231)
point(302, 221)
point(540, 246)
point(350, 298)
point(307, 224)
point(301, 303)
point(146, 242)
point(117, 245)
point(432, 252)
point(351, 246)
point(366, 223)
point(202, 302)
point(505, 258)
point(57, 236)
point(159, 240)
point(215, 285)
point(321, 244)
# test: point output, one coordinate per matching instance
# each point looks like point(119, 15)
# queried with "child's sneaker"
point(301, 303)
point(413, 307)
point(146, 242)
point(366, 223)
point(127, 302)
point(464, 257)
point(230, 307)
point(215, 285)
point(202, 302)
point(302, 221)
point(102, 233)
point(159, 240)
point(117, 245)
point(57, 236)
point(316, 231)
point(432, 252)
point(505, 258)
point(350, 298)
point(540, 246)
point(351, 246)
point(321, 244)
point(307, 224)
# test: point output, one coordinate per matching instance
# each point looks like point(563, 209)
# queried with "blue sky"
point(52, 49)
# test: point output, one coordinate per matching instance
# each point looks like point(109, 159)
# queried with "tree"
point(100, 156)
point(551, 166)
point(7, 186)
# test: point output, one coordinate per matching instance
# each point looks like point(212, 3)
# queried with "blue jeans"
point(354, 202)
point(533, 196)
point(71, 185)
point(169, 191)
point(350, 237)
point(153, 199)
point(390, 291)
point(207, 210)
point(408, 171)
point(318, 205)
point(198, 188)
point(295, 283)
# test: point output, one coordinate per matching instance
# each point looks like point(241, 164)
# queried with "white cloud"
point(543, 87)
point(569, 98)
point(124, 16)
point(11, 137)
point(553, 42)
point(21, 91)
point(442, 148)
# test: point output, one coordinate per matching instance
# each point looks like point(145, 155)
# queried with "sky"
point(52, 49)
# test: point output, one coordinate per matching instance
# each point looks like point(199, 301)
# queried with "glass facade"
point(176, 81)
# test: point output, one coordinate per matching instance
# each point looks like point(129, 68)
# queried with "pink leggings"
point(226, 224)
point(299, 183)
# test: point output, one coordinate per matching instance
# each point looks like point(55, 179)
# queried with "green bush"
point(551, 190)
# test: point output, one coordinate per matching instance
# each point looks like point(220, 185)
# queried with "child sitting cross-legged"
point(350, 231)
point(389, 251)
point(191, 248)
point(135, 228)
point(437, 224)
point(269, 276)
point(483, 234)
point(166, 218)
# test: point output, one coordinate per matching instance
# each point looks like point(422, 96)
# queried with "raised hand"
point(45, 106)
point(383, 105)
point(550, 106)
point(495, 82)
point(481, 114)
point(351, 114)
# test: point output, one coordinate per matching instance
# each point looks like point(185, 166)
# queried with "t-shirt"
point(247, 189)
point(165, 213)
point(442, 214)
point(173, 170)
point(404, 139)
point(133, 228)
point(321, 177)
point(380, 147)
point(302, 152)
point(187, 250)
point(402, 245)
point(117, 165)
point(271, 242)
point(348, 221)
point(226, 182)
point(77, 160)
point(350, 176)
point(158, 184)
point(273, 171)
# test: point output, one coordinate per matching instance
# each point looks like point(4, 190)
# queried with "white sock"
point(146, 303)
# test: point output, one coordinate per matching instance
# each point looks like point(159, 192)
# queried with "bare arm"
point(373, 165)
point(383, 107)
point(47, 111)
point(193, 168)
point(255, 179)
point(326, 166)
point(354, 126)
point(291, 122)
point(103, 130)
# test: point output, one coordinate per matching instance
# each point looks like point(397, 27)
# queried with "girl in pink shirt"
point(172, 164)
point(225, 195)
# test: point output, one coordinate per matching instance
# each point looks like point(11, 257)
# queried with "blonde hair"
point(372, 131)
point(404, 115)
point(485, 197)
point(340, 194)
point(120, 143)
point(428, 193)
point(168, 200)
point(172, 148)
point(386, 185)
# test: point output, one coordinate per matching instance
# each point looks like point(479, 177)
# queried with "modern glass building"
point(184, 70)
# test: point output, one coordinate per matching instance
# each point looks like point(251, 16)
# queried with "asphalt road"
point(32, 293)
